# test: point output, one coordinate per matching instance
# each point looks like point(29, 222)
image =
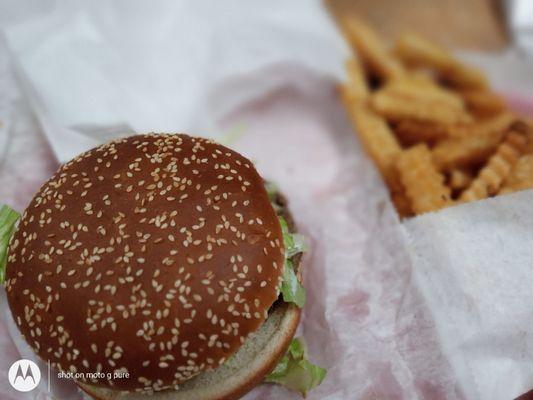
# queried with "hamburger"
point(159, 267)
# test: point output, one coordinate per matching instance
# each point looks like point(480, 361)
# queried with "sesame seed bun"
point(155, 256)
point(232, 380)
point(247, 368)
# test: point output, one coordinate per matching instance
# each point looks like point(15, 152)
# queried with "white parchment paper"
point(165, 65)
point(474, 265)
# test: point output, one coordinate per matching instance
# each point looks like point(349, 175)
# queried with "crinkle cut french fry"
point(529, 147)
point(424, 185)
point(466, 77)
point(483, 102)
point(371, 49)
point(411, 131)
point(416, 50)
point(402, 204)
point(465, 151)
point(357, 84)
point(524, 126)
point(421, 77)
point(398, 194)
point(395, 108)
point(375, 134)
point(492, 175)
point(459, 179)
point(521, 176)
point(471, 148)
point(499, 122)
point(417, 89)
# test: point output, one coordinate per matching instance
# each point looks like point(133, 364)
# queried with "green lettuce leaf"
point(8, 219)
point(288, 241)
point(291, 288)
point(294, 242)
point(299, 245)
point(295, 372)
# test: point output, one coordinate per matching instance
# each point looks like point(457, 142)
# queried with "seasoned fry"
point(459, 179)
point(401, 203)
point(398, 194)
point(422, 77)
point(424, 185)
point(521, 176)
point(499, 122)
point(465, 151)
point(465, 77)
point(375, 135)
point(371, 49)
point(492, 175)
point(472, 147)
point(395, 107)
point(356, 85)
point(416, 50)
point(411, 131)
point(525, 127)
point(427, 91)
point(483, 102)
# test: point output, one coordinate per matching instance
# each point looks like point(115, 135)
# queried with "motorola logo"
point(24, 375)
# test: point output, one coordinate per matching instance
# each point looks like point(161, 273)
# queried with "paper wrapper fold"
point(474, 266)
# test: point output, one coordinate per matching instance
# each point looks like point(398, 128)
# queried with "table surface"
point(463, 24)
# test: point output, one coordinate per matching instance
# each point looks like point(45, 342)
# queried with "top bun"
point(154, 255)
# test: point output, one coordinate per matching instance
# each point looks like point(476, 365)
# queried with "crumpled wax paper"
point(474, 266)
point(436, 307)
point(159, 65)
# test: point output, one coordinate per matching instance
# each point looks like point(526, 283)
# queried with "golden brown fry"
point(424, 185)
point(473, 147)
point(371, 49)
point(401, 203)
point(466, 77)
point(459, 179)
point(422, 77)
point(357, 84)
point(416, 50)
point(492, 175)
point(499, 122)
point(427, 91)
point(375, 135)
point(521, 176)
point(398, 194)
point(483, 102)
point(411, 131)
point(395, 108)
point(465, 151)
point(525, 127)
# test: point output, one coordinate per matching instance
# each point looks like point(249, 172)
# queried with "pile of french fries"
point(435, 130)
